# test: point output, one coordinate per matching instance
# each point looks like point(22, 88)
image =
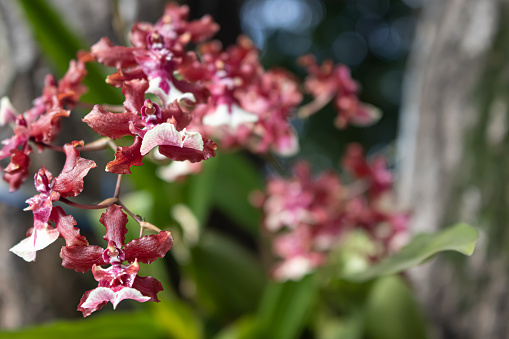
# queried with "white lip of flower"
point(222, 116)
point(173, 94)
point(167, 134)
point(174, 170)
point(7, 112)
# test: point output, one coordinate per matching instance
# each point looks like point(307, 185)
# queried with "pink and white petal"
point(101, 294)
point(178, 169)
point(168, 97)
point(235, 118)
point(366, 115)
point(287, 144)
point(7, 112)
point(39, 239)
point(166, 134)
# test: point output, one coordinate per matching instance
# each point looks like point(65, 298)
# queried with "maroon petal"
point(183, 119)
point(17, 171)
point(81, 258)
point(148, 286)
point(149, 248)
point(115, 56)
point(65, 225)
point(88, 311)
point(115, 222)
point(125, 157)
point(134, 92)
point(107, 124)
point(193, 155)
point(46, 128)
point(70, 181)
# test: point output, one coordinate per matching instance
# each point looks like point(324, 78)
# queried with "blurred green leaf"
point(121, 325)
point(236, 179)
point(391, 312)
point(228, 278)
point(345, 327)
point(177, 319)
point(460, 238)
point(59, 45)
point(200, 190)
point(285, 308)
point(240, 329)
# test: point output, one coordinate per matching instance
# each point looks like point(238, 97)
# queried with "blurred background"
point(438, 72)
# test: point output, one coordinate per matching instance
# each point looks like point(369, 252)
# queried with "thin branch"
point(97, 145)
point(117, 188)
point(104, 204)
point(129, 212)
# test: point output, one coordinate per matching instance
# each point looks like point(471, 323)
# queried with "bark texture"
point(454, 156)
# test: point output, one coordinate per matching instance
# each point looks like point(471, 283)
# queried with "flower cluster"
point(176, 102)
point(308, 216)
point(329, 82)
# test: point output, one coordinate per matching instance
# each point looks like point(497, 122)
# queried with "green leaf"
point(236, 180)
point(228, 278)
point(59, 45)
point(121, 325)
point(392, 313)
point(285, 308)
point(177, 319)
point(460, 238)
point(200, 190)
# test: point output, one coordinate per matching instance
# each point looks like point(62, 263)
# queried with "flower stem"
point(104, 204)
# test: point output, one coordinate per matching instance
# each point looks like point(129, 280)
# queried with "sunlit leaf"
point(460, 238)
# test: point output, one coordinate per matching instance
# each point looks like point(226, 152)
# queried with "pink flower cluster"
point(333, 82)
point(309, 215)
point(176, 101)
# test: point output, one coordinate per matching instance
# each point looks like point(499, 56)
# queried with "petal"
point(39, 239)
point(148, 286)
point(107, 124)
point(193, 155)
point(148, 248)
point(17, 171)
point(167, 134)
point(115, 56)
point(115, 222)
point(98, 296)
point(87, 311)
point(125, 157)
point(81, 258)
point(7, 112)
point(173, 111)
point(70, 181)
point(168, 96)
point(134, 92)
point(177, 170)
point(234, 118)
point(46, 128)
point(65, 225)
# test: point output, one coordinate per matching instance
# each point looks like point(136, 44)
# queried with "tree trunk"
point(454, 167)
